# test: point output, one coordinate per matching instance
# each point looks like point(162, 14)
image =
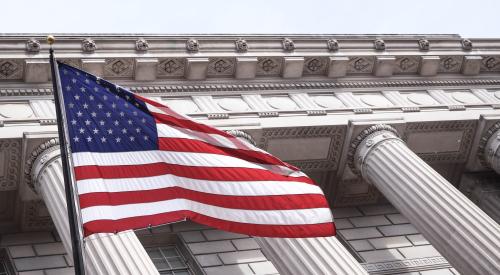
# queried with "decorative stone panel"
point(328, 140)
point(315, 65)
point(171, 67)
point(423, 138)
point(119, 67)
point(220, 67)
point(355, 192)
point(450, 64)
point(36, 217)
point(363, 64)
point(10, 164)
point(406, 65)
point(11, 68)
point(490, 64)
point(269, 66)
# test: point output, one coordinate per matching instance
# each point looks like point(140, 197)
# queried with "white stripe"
point(179, 158)
point(281, 217)
point(231, 188)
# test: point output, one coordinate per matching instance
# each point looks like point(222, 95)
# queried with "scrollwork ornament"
point(332, 45)
point(192, 45)
point(241, 45)
point(33, 45)
point(379, 44)
point(141, 45)
point(288, 44)
point(424, 44)
point(467, 44)
point(88, 45)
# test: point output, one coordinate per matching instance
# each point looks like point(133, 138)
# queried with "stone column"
point(456, 227)
point(312, 256)
point(104, 254)
point(489, 148)
point(484, 191)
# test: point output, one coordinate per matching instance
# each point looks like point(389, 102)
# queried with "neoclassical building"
point(402, 132)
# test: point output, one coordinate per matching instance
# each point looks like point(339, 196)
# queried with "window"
point(168, 260)
point(3, 269)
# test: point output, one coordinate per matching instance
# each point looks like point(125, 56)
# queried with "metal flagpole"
point(72, 215)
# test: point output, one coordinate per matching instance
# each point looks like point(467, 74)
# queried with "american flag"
point(137, 163)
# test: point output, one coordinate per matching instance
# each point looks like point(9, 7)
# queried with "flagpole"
point(72, 215)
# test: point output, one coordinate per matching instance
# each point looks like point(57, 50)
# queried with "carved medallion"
point(269, 65)
point(11, 69)
point(490, 64)
point(220, 67)
point(450, 64)
point(406, 64)
point(119, 67)
point(171, 67)
point(315, 65)
point(361, 64)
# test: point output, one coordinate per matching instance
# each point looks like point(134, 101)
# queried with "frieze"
point(220, 67)
point(269, 66)
point(10, 150)
point(490, 64)
point(450, 64)
point(467, 127)
point(407, 65)
point(335, 133)
point(315, 65)
point(171, 67)
point(407, 265)
point(119, 67)
point(362, 64)
point(11, 69)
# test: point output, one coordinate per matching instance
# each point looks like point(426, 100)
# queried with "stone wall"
point(386, 243)
point(37, 253)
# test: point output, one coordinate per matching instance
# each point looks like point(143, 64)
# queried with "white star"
point(136, 104)
point(138, 130)
point(87, 81)
point(125, 105)
point(79, 114)
point(77, 97)
point(129, 121)
point(118, 139)
point(135, 113)
point(107, 89)
point(85, 105)
point(117, 97)
point(77, 73)
point(122, 114)
point(76, 139)
point(117, 123)
point(110, 131)
point(91, 97)
point(73, 122)
point(96, 131)
point(65, 71)
point(124, 131)
point(146, 137)
point(108, 114)
point(99, 106)
point(82, 130)
point(102, 122)
point(113, 105)
point(68, 88)
point(132, 138)
point(103, 139)
point(89, 139)
point(87, 122)
point(96, 89)
point(82, 89)
point(94, 114)
point(127, 97)
point(73, 80)
point(143, 120)
point(71, 105)
point(105, 97)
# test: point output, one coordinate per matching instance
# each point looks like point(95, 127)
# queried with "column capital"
point(367, 141)
point(489, 148)
point(39, 158)
point(241, 134)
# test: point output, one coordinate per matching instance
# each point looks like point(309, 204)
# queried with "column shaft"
point(104, 254)
point(456, 227)
point(312, 256)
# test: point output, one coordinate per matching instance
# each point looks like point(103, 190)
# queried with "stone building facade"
point(401, 132)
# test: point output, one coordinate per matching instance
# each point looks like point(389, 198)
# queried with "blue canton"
point(104, 117)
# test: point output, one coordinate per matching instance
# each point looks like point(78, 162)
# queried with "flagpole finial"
point(51, 39)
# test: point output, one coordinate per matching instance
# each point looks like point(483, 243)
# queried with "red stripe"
point(272, 202)
point(196, 146)
point(261, 230)
point(203, 173)
point(188, 124)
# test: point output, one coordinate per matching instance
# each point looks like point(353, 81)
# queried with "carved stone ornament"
point(243, 135)
point(33, 45)
point(332, 45)
point(52, 143)
point(466, 44)
point(288, 44)
point(241, 45)
point(88, 45)
point(424, 44)
point(379, 44)
point(192, 45)
point(141, 45)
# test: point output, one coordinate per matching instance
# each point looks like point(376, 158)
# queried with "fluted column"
point(489, 148)
point(467, 237)
point(312, 256)
point(104, 254)
point(484, 191)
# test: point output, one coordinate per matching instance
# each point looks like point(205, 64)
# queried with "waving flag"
point(137, 163)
